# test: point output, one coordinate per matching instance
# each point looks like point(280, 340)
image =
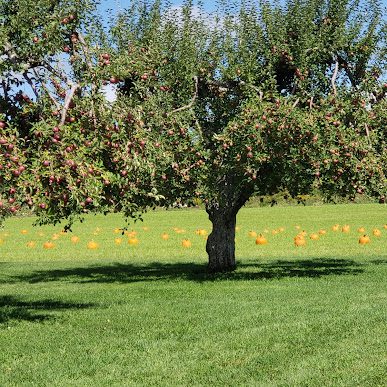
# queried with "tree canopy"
point(255, 98)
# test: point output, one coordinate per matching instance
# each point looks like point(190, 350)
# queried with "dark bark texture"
point(221, 242)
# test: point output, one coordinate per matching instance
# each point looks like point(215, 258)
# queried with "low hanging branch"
point(192, 100)
point(66, 105)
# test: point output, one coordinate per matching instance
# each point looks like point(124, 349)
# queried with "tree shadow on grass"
point(12, 308)
point(156, 271)
point(379, 262)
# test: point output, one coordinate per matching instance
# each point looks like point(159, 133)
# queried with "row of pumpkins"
point(300, 238)
point(260, 239)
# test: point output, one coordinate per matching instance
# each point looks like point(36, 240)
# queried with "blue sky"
point(117, 4)
point(208, 4)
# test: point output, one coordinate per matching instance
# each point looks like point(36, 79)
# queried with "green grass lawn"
point(150, 314)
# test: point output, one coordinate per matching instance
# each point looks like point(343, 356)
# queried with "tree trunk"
point(221, 242)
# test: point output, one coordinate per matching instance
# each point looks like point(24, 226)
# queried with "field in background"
point(149, 314)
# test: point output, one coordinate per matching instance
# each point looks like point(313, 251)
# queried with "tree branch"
point(44, 87)
point(295, 103)
point(344, 63)
point(59, 74)
point(10, 52)
point(29, 81)
point(68, 99)
point(368, 134)
point(53, 100)
point(89, 63)
point(192, 100)
point(260, 92)
point(85, 51)
point(334, 76)
point(5, 88)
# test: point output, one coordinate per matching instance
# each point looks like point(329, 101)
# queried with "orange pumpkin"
point(31, 244)
point(92, 245)
point(164, 236)
point(376, 232)
point(364, 240)
point(361, 230)
point(299, 241)
point(261, 240)
point(118, 241)
point(252, 234)
point(202, 232)
point(133, 241)
point(385, 226)
point(335, 227)
point(322, 232)
point(48, 245)
point(24, 232)
point(345, 228)
point(186, 243)
point(74, 239)
point(314, 236)
point(131, 234)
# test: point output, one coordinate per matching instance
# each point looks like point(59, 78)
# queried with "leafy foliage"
point(254, 99)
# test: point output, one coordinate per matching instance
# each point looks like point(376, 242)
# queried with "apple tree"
point(255, 98)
